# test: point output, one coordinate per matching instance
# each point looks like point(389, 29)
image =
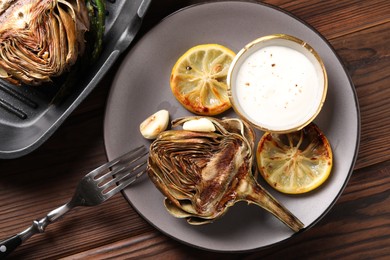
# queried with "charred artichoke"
point(40, 40)
point(203, 174)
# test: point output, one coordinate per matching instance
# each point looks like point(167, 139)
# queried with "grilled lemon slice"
point(198, 79)
point(297, 162)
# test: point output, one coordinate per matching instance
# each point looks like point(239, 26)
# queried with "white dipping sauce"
point(279, 88)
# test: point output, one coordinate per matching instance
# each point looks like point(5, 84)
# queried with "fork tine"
point(118, 160)
point(123, 185)
point(121, 168)
point(123, 172)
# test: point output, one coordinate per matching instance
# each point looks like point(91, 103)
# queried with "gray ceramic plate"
point(141, 88)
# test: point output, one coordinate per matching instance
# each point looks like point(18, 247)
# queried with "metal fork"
point(93, 189)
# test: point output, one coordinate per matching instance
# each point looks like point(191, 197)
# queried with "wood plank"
point(357, 226)
point(366, 54)
point(334, 18)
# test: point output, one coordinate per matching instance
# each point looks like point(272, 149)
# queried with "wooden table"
point(358, 226)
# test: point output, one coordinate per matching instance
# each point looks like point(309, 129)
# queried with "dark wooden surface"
point(357, 227)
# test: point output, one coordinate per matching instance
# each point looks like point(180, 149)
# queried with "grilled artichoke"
point(203, 174)
point(40, 40)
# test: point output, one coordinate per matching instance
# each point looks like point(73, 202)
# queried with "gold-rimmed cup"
point(278, 83)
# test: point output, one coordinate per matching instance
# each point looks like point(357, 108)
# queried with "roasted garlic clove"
point(154, 124)
point(201, 124)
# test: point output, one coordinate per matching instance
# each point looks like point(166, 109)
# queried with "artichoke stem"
point(262, 198)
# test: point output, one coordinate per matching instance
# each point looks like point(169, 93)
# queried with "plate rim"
point(358, 124)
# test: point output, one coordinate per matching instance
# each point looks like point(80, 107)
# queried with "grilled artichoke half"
point(40, 40)
point(203, 174)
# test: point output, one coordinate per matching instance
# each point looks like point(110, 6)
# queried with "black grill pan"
point(29, 115)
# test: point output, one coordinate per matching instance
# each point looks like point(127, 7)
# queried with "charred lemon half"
point(198, 79)
point(296, 162)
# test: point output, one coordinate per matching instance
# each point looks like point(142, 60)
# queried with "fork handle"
point(38, 226)
point(9, 245)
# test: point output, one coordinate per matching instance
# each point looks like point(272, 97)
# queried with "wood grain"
point(357, 227)
point(337, 18)
point(366, 55)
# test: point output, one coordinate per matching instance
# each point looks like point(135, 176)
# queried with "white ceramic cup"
point(277, 83)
